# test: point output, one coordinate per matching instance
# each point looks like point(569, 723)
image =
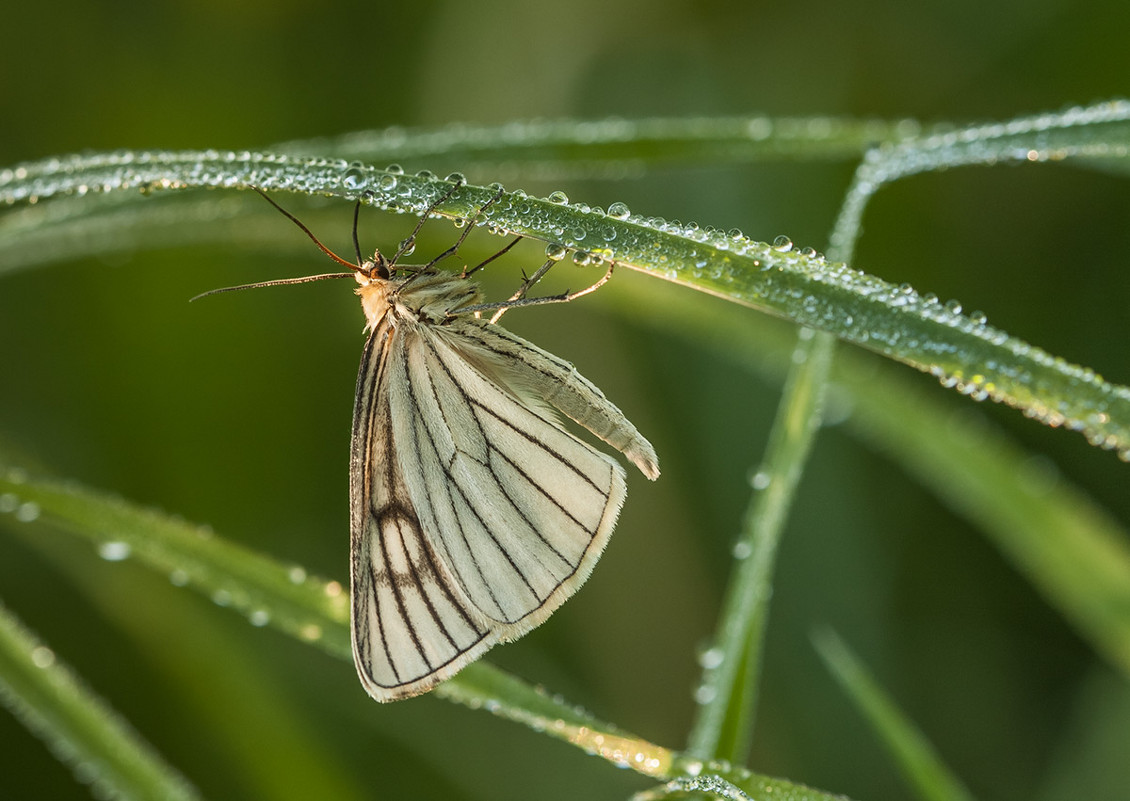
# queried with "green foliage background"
point(235, 411)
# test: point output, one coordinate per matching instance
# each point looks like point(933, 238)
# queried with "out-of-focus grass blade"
point(923, 769)
point(79, 728)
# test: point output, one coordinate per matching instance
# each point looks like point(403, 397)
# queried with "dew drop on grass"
point(42, 656)
point(555, 251)
point(619, 211)
point(114, 551)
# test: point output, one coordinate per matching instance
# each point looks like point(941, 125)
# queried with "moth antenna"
point(306, 279)
point(355, 267)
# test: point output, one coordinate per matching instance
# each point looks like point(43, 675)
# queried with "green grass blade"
point(79, 728)
point(612, 148)
point(963, 352)
point(921, 766)
point(723, 726)
point(256, 582)
point(310, 609)
point(1071, 550)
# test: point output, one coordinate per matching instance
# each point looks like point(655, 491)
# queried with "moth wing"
point(474, 516)
point(412, 625)
point(558, 384)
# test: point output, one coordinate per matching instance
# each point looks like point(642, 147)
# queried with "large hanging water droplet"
point(782, 244)
point(555, 251)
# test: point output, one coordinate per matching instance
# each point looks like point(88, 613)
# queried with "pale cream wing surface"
point(474, 517)
point(412, 627)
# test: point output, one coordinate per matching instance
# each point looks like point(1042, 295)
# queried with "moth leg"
point(451, 251)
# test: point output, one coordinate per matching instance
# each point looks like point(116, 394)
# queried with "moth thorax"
point(374, 294)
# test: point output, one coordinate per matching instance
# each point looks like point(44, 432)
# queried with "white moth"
point(473, 513)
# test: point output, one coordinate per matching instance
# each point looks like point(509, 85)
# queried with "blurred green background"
point(235, 411)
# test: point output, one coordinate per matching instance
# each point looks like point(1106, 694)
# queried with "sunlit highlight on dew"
point(114, 551)
point(760, 480)
point(27, 512)
point(711, 658)
point(42, 656)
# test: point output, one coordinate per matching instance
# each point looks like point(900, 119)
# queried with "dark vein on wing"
point(475, 404)
point(418, 423)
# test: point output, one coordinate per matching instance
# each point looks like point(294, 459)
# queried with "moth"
point(474, 514)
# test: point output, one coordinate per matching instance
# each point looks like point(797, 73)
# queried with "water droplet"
point(114, 551)
point(555, 251)
point(221, 597)
point(711, 658)
point(353, 179)
point(395, 169)
point(704, 694)
point(9, 502)
point(953, 307)
point(296, 574)
point(456, 178)
point(426, 174)
point(760, 480)
point(27, 512)
point(407, 246)
point(582, 258)
point(742, 550)
point(178, 578)
point(558, 197)
point(387, 182)
point(782, 244)
point(42, 656)
point(310, 632)
point(260, 617)
point(978, 317)
point(619, 211)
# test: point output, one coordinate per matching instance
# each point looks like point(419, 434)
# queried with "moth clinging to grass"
point(473, 513)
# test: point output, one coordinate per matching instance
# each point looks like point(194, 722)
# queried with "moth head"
point(376, 267)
